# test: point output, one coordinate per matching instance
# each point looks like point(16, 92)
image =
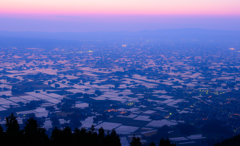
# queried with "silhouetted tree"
point(56, 136)
point(152, 144)
point(67, 136)
point(1, 134)
point(34, 135)
point(101, 137)
point(1, 130)
point(13, 133)
point(113, 139)
point(12, 124)
point(135, 141)
point(166, 142)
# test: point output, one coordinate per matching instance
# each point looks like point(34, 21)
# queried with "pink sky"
point(73, 7)
point(117, 15)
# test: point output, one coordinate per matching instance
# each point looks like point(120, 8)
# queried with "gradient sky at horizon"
point(118, 15)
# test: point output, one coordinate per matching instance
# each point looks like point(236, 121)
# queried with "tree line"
point(33, 134)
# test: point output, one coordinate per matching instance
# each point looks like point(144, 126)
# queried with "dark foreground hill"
point(234, 141)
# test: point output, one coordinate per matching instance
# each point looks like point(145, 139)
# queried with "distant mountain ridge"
point(173, 34)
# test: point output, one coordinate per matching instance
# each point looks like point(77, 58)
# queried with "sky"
point(117, 15)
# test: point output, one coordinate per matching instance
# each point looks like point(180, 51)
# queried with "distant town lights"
point(231, 48)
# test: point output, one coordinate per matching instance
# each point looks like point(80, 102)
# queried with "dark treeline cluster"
point(234, 141)
point(163, 142)
point(32, 134)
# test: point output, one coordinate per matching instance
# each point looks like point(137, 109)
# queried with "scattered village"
point(147, 89)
